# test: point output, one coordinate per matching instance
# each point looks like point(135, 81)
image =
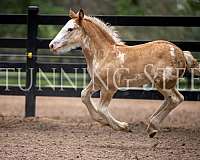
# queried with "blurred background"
point(102, 7)
point(110, 7)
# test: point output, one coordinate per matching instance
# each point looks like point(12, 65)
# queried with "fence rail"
point(43, 43)
point(70, 92)
point(162, 21)
point(33, 19)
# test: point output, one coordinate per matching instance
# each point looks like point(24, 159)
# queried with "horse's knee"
point(102, 110)
point(176, 100)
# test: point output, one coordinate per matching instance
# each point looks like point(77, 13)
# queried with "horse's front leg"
point(106, 96)
point(86, 99)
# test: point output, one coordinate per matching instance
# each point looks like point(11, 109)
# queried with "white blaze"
point(70, 24)
point(60, 36)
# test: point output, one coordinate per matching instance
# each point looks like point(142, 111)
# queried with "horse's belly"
point(133, 80)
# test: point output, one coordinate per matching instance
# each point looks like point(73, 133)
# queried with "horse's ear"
point(72, 14)
point(81, 14)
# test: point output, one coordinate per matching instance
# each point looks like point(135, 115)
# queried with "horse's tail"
point(192, 63)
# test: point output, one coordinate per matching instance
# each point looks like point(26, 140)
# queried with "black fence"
point(32, 43)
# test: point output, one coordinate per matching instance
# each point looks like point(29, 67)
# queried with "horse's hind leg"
point(86, 99)
point(105, 99)
point(172, 99)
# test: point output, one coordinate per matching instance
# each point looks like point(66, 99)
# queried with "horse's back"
point(160, 52)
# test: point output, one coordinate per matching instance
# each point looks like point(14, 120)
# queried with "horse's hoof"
point(126, 127)
point(151, 130)
point(152, 133)
point(130, 127)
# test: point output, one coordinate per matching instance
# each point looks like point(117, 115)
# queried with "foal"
point(112, 65)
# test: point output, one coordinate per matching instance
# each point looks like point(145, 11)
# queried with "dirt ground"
point(63, 129)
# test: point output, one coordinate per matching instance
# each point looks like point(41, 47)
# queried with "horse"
point(113, 65)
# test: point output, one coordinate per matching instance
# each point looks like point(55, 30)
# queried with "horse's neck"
point(94, 50)
point(87, 51)
point(96, 43)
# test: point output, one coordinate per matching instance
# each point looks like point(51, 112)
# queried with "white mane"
point(110, 30)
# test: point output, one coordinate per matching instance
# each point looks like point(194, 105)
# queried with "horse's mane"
point(107, 28)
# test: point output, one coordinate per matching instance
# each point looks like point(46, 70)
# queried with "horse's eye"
point(70, 29)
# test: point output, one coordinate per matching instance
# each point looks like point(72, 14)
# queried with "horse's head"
point(70, 35)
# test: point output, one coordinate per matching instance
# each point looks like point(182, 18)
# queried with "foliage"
point(162, 7)
point(128, 7)
point(155, 7)
point(119, 7)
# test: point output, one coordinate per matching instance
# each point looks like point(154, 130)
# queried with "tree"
point(128, 7)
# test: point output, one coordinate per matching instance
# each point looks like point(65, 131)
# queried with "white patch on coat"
point(95, 65)
point(168, 71)
point(69, 48)
point(172, 51)
point(189, 58)
point(138, 76)
point(148, 87)
point(86, 42)
point(121, 57)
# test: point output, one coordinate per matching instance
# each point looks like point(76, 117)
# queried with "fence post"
point(31, 68)
point(189, 81)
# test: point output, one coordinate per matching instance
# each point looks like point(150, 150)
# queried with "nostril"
point(51, 46)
